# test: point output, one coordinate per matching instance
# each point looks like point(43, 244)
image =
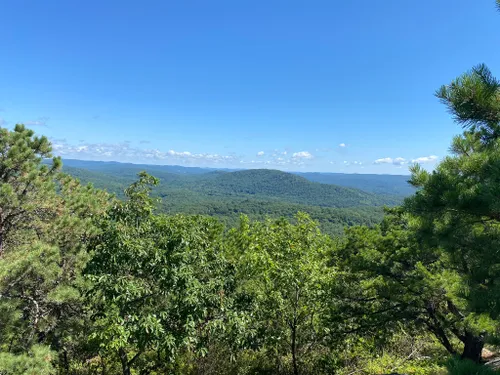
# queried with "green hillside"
point(256, 193)
point(372, 183)
point(273, 184)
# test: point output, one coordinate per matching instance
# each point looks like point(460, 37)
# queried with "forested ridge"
point(256, 183)
point(396, 185)
point(97, 283)
point(256, 193)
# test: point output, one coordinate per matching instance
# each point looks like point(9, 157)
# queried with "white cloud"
point(302, 155)
point(180, 154)
point(351, 163)
point(383, 161)
point(342, 145)
point(260, 153)
point(126, 153)
point(402, 161)
point(399, 161)
point(395, 161)
point(425, 159)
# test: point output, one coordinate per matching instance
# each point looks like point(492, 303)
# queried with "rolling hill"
point(277, 185)
point(259, 193)
point(372, 183)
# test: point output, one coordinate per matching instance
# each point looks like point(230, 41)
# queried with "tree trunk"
point(443, 339)
point(473, 347)
point(103, 366)
point(436, 328)
point(124, 361)
point(1, 243)
point(63, 361)
point(294, 350)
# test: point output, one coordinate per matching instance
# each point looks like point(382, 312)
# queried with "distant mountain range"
point(372, 183)
point(333, 199)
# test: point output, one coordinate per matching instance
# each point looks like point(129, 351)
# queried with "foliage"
point(38, 361)
point(405, 353)
point(46, 219)
point(393, 279)
point(457, 206)
point(280, 277)
point(456, 366)
point(157, 282)
point(26, 185)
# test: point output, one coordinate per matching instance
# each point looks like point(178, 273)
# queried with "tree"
point(280, 273)
point(457, 204)
point(157, 282)
point(390, 277)
point(46, 220)
point(37, 362)
point(26, 185)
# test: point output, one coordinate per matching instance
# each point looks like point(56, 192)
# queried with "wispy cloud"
point(3, 122)
point(425, 159)
point(125, 152)
point(41, 121)
point(181, 154)
point(396, 161)
point(277, 159)
point(302, 155)
point(350, 163)
point(342, 145)
point(144, 142)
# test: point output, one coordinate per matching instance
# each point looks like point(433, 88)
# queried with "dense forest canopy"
point(137, 283)
point(256, 193)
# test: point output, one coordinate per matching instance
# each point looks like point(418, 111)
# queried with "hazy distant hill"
point(373, 183)
point(115, 167)
point(258, 193)
point(263, 184)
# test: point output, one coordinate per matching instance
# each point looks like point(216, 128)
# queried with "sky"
point(310, 85)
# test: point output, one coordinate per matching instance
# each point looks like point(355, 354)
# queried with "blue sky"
point(306, 85)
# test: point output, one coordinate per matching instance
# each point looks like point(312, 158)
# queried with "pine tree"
point(46, 221)
point(457, 205)
point(26, 185)
point(392, 277)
